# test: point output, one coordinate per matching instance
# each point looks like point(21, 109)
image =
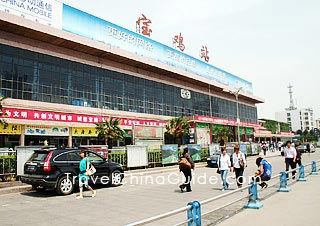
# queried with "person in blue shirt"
point(83, 177)
point(264, 173)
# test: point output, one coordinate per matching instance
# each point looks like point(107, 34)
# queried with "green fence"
point(7, 167)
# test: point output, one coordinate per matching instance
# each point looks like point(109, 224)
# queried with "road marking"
point(5, 205)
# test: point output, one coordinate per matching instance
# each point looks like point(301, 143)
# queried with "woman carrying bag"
point(185, 165)
point(224, 165)
point(83, 175)
point(238, 164)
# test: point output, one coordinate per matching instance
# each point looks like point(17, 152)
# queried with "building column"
point(70, 138)
point(210, 127)
point(22, 136)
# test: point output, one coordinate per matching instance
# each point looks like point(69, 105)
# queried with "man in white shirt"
point(290, 155)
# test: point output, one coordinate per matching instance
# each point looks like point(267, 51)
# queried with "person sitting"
point(264, 172)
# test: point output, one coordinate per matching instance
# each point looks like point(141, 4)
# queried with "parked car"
point(212, 161)
point(58, 169)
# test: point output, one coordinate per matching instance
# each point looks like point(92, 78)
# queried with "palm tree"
point(110, 130)
point(177, 128)
point(2, 114)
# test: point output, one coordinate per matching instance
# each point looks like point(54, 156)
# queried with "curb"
point(15, 189)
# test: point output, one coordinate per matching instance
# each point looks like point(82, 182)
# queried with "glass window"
point(61, 157)
point(94, 157)
point(35, 76)
point(74, 156)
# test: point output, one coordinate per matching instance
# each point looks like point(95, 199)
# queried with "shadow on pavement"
point(42, 193)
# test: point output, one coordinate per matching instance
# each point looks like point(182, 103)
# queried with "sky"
point(270, 43)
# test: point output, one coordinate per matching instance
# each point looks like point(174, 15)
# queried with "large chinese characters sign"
point(13, 113)
point(204, 53)
point(178, 42)
point(143, 25)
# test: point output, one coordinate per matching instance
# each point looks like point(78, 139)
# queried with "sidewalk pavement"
point(298, 207)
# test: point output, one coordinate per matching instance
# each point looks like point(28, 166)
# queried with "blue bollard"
point(253, 199)
point(314, 168)
point(301, 174)
point(194, 213)
point(283, 183)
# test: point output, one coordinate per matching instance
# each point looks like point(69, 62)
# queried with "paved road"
point(121, 205)
point(296, 208)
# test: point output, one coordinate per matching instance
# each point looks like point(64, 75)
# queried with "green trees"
point(178, 128)
point(110, 131)
point(306, 136)
point(222, 132)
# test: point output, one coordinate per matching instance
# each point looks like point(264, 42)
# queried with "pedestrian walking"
point(224, 164)
point(264, 149)
point(83, 177)
point(238, 162)
point(308, 149)
point(264, 172)
point(185, 165)
point(290, 155)
point(298, 159)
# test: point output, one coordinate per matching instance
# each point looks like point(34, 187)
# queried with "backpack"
point(267, 168)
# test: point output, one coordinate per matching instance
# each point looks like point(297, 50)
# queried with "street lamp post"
point(236, 94)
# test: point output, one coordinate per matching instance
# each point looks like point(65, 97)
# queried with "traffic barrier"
point(253, 198)
point(314, 168)
point(283, 183)
point(194, 214)
point(301, 174)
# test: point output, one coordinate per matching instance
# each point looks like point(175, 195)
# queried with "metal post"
point(283, 183)
point(238, 119)
point(301, 174)
point(253, 199)
point(194, 213)
point(314, 168)
point(210, 101)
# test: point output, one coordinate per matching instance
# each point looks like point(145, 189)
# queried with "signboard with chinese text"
point(222, 121)
point(10, 129)
point(15, 113)
point(84, 24)
point(48, 12)
point(46, 130)
point(266, 132)
point(84, 132)
point(287, 134)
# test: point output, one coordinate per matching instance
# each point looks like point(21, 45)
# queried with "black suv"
point(58, 169)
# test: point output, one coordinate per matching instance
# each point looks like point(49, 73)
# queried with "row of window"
point(34, 76)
